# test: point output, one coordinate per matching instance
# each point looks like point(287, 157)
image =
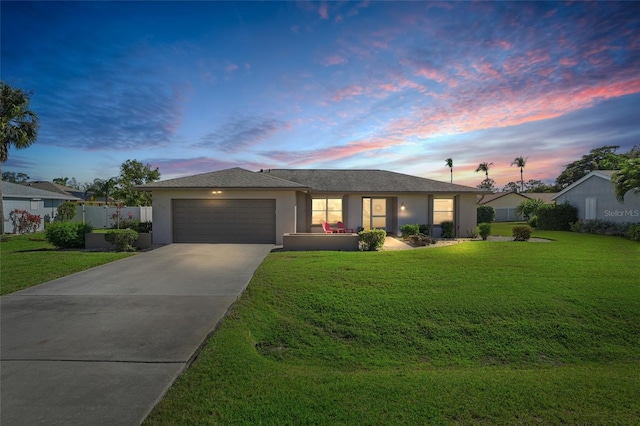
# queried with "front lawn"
point(28, 260)
point(473, 333)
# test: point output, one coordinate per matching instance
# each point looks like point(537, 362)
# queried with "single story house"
point(241, 206)
point(505, 203)
point(594, 197)
point(83, 197)
point(33, 200)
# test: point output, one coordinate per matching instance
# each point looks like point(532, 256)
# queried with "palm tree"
point(484, 167)
point(520, 162)
point(450, 165)
point(18, 127)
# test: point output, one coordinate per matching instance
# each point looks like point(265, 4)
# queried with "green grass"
point(474, 333)
point(28, 260)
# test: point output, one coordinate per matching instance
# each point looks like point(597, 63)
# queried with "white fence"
point(107, 217)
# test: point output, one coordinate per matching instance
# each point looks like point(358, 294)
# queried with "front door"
point(374, 213)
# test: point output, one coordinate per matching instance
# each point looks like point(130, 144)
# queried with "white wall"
point(163, 219)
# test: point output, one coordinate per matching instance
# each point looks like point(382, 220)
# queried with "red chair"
point(342, 229)
point(327, 229)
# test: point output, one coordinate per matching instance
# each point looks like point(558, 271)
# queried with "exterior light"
point(402, 206)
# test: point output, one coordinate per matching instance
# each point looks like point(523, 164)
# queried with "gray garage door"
point(224, 221)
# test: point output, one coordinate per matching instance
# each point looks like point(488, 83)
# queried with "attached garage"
point(224, 221)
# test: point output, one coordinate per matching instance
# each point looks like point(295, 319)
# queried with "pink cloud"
point(334, 60)
point(358, 147)
point(230, 67)
point(348, 92)
point(323, 12)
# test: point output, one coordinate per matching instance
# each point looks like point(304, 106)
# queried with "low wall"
point(304, 242)
point(96, 241)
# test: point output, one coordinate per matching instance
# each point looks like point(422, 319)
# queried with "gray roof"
point(369, 181)
point(235, 178)
point(14, 190)
point(61, 189)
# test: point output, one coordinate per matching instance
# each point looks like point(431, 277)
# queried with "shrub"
point(372, 239)
point(529, 208)
point(24, 222)
point(66, 211)
point(144, 227)
point(122, 238)
point(485, 230)
point(521, 233)
point(633, 233)
point(533, 221)
point(447, 229)
point(556, 217)
point(407, 230)
point(601, 227)
point(486, 214)
point(424, 229)
point(421, 240)
point(67, 234)
point(473, 232)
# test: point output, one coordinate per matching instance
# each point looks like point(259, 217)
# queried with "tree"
point(603, 158)
point(61, 181)
point(488, 185)
point(101, 188)
point(627, 178)
point(18, 127)
point(528, 208)
point(533, 185)
point(520, 162)
point(14, 177)
point(484, 167)
point(510, 187)
point(450, 165)
point(133, 173)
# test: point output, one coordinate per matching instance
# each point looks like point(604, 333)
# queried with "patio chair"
point(342, 229)
point(326, 228)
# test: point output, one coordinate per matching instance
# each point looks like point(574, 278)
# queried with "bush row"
point(603, 227)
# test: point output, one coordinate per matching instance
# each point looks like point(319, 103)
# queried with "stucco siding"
point(162, 209)
point(466, 214)
point(510, 200)
point(416, 208)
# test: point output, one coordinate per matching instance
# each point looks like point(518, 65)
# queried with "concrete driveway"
point(101, 347)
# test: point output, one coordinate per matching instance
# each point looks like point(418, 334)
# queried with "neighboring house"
point(237, 205)
point(82, 196)
point(505, 203)
point(594, 198)
point(33, 200)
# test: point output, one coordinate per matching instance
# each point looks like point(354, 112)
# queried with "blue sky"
point(192, 87)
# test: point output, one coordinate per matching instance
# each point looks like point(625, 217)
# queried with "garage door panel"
point(224, 221)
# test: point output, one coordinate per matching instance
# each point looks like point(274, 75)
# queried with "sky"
point(195, 87)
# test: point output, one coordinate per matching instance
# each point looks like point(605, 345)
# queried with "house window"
point(374, 213)
point(35, 204)
point(442, 210)
point(326, 210)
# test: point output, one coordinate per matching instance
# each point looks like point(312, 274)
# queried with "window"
point(374, 213)
point(326, 210)
point(442, 210)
